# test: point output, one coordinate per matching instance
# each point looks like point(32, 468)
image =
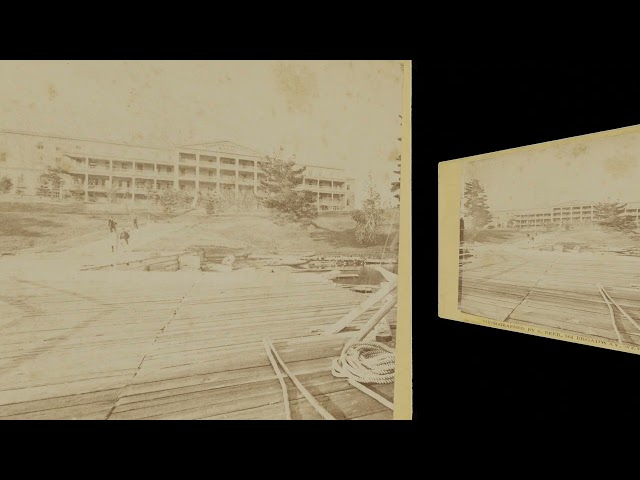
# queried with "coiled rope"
point(366, 362)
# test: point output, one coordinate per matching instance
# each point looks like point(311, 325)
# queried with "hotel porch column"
point(110, 174)
point(197, 172)
point(318, 195)
point(176, 169)
point(237, 191)
point(331, 194)
point(255, 178)
point(86, 180)
point(133, 183)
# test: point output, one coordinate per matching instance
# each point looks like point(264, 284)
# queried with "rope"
point(366, 362)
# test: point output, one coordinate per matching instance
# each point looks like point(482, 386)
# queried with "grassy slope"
point(588, 236)
point(260, 233)
point(46, 227)
point(50, 227)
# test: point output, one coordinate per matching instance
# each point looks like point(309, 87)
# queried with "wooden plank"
point(363, 307)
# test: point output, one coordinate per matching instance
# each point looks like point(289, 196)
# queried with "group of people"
point(120, 239)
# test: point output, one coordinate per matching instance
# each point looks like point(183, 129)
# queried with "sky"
point(341, 114)
point(585, 170)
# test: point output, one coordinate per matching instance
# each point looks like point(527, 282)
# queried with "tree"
point(112, 193)
point(77, 191)
point(369, 217)
point(6, 184)
point(58, 175)
point(50, 184)
point(247, 201)
point(152, 193)
point(284, 196)
point(611, 215)
point(475, 203)
point(213, 203)
point(395, 186)
point(171, 199)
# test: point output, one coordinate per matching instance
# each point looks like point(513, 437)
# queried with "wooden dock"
point(555, 290)
point(180, 345)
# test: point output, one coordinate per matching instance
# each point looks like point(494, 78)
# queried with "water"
point(367, 275)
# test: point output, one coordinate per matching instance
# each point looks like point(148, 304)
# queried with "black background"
point(480, 375)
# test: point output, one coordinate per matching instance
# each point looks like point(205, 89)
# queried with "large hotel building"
point(573, 212)
point(100, 169)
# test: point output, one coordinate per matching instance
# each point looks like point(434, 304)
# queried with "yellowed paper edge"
point(403, 395)
point(449, 189)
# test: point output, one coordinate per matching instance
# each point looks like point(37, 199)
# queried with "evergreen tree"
point(395, 186)
point(611, 215)
point(369, 217)
point(284, 196)
point(6, 185)
point(475, 203)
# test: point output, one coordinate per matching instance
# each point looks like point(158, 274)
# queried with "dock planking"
point(554, 290)
point(179, 345)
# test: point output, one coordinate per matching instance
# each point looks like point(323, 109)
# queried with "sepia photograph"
point(550, 239)
point(191, 240)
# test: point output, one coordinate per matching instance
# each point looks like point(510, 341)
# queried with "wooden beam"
point(379, 315)
point(389, 276)
point(319, 408)
point(362, 308)
point(285, 395)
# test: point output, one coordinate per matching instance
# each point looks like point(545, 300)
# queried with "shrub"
point(6, 185)
point(213, 203)
point(368, 218)
point(171, 199)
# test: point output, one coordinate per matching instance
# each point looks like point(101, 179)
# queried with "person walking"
point(111, 225)
point(124, 240)
point(114, 241)
point(135, 222)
